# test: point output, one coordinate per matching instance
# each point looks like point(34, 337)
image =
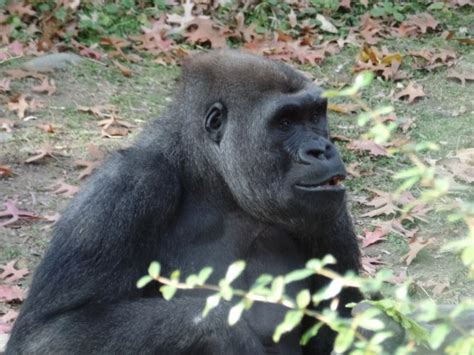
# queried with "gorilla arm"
point(83, 298)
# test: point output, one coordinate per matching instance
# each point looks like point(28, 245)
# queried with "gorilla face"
point(284, 166)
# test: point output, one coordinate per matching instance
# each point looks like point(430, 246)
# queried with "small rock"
point(53, 61)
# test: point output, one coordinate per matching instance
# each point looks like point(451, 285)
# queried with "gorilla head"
point(267, 141)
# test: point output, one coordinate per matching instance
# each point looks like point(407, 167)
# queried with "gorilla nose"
point(314, 151)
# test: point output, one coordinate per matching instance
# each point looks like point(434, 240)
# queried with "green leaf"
point(277, 288)
point(192, 280)
point(226, 290)
point(204, 275)
point(261, 282)
point(234, 271)
point(154, 269)
point(175, 275)
point(144, 280)
point(437, 336)
point(377, 12)
point(211, 303)
point(333, 289)
point(292, 319)
point(398, 16)
point(168, 291)
point(310, 333)
point(436, 6)
point(343, 340)
point(235, 313)
point(298, 275)
point(303, 299)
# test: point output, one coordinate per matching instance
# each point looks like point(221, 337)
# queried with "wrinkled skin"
point(240, 166)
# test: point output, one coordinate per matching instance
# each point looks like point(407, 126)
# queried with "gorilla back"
point(240, 166)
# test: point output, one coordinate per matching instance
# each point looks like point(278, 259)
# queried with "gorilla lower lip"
point(334, 183)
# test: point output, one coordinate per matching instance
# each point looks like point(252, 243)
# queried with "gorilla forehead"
point(235, 71)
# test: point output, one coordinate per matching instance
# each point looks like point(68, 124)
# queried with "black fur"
point(217, 178)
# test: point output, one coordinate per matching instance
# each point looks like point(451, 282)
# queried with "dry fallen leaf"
point(462, 77)
point(461, 165)
point(15, 214)
point(344, 108)
point(100, 111)
point(415, 246)
point(370, 264)
point(47, 127)
point(113, 127)
point(413, 91)
point(369, 146)
point(63, 189)
point(18, 104)
point(10, 273)
point(7, 125)
point(206, 31)
point(372, 237)
point(125, 71)
point(10, 293)
point(5, 85)
point(46, 86)
point(43, 152)
point(5, 171)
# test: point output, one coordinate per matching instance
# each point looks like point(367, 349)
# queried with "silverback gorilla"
point(240, 166)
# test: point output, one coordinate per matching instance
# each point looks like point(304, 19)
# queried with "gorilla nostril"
point(317, 153)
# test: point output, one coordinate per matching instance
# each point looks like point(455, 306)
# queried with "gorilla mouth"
point(333, 183)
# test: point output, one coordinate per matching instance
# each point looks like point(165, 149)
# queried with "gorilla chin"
point(321, 200)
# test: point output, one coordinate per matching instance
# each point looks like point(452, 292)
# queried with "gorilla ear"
point(215, 121)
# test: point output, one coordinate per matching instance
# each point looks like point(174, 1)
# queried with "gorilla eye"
point(214, 123)
point(285, 124)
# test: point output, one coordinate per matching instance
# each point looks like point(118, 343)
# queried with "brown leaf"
point(114, 127)
point(399, 279)
point(462, 77)
point(100, 111)
point(200, 31)
point(344, 108)
point(43, 152)
point(383, 203)
point(47, 86)
point(438, 286)
point(246, 33)
point(370, 264)
point(19, 104)
point(5, 171)
point(7, 125)
point(15, 214)
point(423, 21)
point(125, 71)
point(47, 127)
point(371, 237)
point(19, 9)
point(396, 226)
point(89, 167)
point(64, 189)
point(5, 85)
point(466, 41)
point(21, 74)
point(10, 293)
point(461, 165)
point(413, 91)
point(10, 274)
point(415, 246)
point(346, 4)
point(368, 146)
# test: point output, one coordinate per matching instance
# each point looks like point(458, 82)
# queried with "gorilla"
point(239, 166)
